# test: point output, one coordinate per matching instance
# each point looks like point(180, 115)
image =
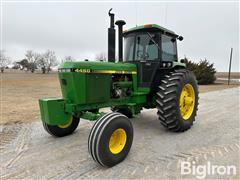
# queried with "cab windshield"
point(147, 46)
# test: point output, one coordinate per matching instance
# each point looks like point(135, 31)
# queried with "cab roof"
point(150, 27)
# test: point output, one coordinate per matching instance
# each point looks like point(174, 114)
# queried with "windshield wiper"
point(153, 41)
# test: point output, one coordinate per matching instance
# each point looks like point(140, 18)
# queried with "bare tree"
point(51, 59)
point(68, 58)
point(41, 63)
point(101, 56)
point(4, 60)
point(23, 64)
point(16, 65)
point(46, 61)
point(32, 59)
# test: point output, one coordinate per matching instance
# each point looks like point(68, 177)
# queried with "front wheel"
point(177, 100)
point(110, 139)
point(62, 129)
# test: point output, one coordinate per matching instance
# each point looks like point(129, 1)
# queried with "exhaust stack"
point(120, 24)
point(111, 38)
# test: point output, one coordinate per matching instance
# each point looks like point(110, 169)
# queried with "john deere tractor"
point(148, 76)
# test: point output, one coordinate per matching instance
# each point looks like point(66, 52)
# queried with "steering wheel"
point(142, 55)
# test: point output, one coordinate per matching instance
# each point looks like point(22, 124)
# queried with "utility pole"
point(230, 64)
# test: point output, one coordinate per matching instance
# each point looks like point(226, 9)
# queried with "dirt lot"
point(21, 91)
point(20, 94)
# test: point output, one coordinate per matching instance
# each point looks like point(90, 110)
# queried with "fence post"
point(230, 64)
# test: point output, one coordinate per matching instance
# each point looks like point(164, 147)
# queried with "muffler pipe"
point(111, 38)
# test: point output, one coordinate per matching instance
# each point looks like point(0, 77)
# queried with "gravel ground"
point(27, 151)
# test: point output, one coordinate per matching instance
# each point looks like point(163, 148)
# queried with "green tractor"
point(148, 76)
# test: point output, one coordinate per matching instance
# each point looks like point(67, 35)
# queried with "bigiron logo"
point(201, 171)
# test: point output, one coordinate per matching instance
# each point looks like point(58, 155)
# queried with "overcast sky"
point(80, 29)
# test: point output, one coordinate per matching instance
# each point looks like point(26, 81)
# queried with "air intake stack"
point(120, 24)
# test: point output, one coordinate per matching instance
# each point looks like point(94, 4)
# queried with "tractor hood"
point(90, 66)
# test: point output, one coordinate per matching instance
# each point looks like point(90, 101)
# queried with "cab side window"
point(169, 49)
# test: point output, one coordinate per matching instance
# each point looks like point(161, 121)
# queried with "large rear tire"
point(110, 139)
point(177, 100)
point(62, 129)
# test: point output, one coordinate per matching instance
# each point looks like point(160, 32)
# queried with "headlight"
point(64, 70)
point(166, 64)
point(68, 70)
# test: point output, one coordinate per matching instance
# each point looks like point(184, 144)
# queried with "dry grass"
point(218, 85)
point(21, 91)
point(234, 75)
point(20, 94)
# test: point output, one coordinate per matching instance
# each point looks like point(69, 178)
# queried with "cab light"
point(147, 25)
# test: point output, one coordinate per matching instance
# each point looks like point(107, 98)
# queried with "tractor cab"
point(150, 47)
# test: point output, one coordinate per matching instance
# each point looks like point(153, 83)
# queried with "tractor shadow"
point(148, 121)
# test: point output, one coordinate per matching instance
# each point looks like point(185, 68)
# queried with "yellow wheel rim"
point(187, 101)
point(63, 126)
point(117, 141)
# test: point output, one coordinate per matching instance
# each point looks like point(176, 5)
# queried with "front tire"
point(177, 100)
point(110, 139)
point(62, 129)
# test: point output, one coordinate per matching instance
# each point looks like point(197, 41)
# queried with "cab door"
point(146, 57)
